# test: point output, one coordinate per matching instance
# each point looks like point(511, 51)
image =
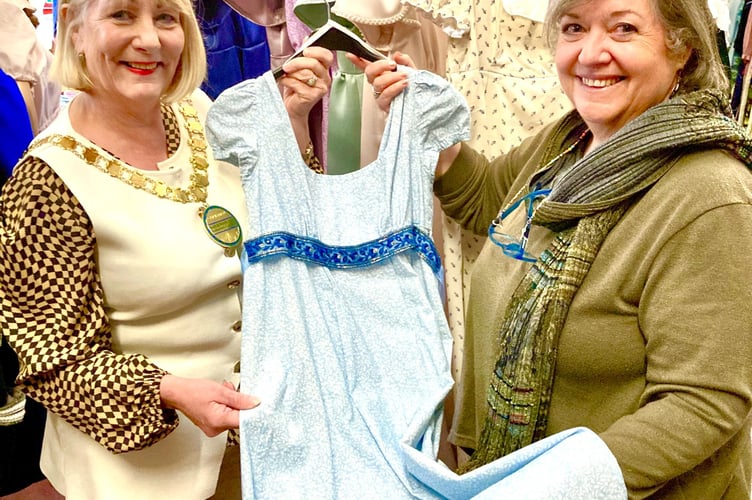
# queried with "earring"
point(82, 58)
point(677, 85)
point(676, 88)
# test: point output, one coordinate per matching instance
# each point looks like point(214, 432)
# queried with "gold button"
point(236, 369)
point(237, 326)
point(233, 284)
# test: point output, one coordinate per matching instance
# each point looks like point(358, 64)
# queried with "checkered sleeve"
point(52, 312)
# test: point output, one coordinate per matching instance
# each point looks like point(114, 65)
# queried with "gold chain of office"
point(194, 193)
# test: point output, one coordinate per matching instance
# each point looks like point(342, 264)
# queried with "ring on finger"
point(376, 93)
point(312, 81)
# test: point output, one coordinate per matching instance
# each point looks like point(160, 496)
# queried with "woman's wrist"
point(301, 131)
point(167, 391)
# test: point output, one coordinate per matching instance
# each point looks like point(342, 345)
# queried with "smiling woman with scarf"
point(613, 291)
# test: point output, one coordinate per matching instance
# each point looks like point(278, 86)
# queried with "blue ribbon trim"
point(344, 257)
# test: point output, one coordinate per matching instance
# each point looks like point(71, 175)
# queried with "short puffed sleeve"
point(440, 113)
point(230, 126)
point(21, 54)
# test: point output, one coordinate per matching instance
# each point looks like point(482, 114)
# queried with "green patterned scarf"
point(586, 202)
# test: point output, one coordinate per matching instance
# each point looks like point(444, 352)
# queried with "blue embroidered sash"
point(344, 257)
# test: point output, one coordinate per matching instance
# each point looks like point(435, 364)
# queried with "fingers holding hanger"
point(387, 81)
point(306, 80)
point(311, 68)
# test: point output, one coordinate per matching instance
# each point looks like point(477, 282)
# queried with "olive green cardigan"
point(656, 352)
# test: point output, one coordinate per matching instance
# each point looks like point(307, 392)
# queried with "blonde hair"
point(688, 25)
point(69, 68)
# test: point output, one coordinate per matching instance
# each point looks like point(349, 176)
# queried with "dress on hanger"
point(344, 336)
point(346, 343)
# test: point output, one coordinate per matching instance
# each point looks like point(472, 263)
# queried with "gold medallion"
point(222, 227)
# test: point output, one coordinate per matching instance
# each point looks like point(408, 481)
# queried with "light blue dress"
point(345, 339)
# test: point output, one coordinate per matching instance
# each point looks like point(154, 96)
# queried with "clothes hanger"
point(334, 36)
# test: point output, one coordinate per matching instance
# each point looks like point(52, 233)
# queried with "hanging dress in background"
point(236, 48)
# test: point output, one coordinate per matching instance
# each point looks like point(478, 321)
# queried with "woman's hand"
point(386, 82)
point(211, 406)
point(305, 81)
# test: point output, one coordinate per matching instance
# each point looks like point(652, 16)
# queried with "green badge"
point(222, 227)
